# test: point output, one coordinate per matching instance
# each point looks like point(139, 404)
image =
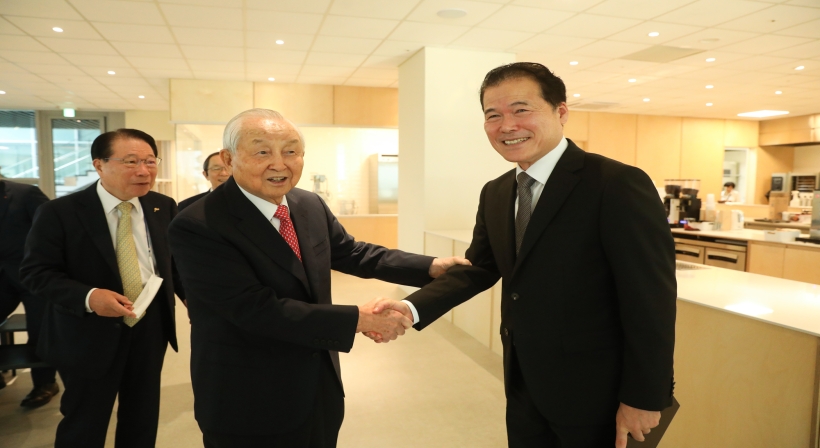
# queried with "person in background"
point(729, 194)
point(265, 335)
point(215, 171)
point(18, 203)
point(588, 298)
point(89, 256)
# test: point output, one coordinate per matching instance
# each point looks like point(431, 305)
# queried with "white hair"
point(230, 137)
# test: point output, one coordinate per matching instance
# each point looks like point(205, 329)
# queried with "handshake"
point(383, 319)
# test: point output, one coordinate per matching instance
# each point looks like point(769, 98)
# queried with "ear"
point(205, 175)
point(227, 157)
point(563, 113)
point(97, 165)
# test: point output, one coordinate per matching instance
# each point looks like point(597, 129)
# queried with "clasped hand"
point(379, 317)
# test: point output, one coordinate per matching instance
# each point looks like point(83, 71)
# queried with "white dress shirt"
point(146, 259)
point(540, 171)
point(267, 208)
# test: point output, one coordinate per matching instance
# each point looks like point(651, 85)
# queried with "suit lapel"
point(92, 216)
point(5, 199)
point(559, 186)
point(156, 231)
point(502, 212)
point(301, 225)
point(259, 230)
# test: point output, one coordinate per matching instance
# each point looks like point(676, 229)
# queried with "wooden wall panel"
point(300, 103)
point(802, 264)
point(365, 106)
point(577, 127)
point(741, 133)
point(658, 147)
point(613, 136)
point(206, 101)
point(377, 229)
point(771, 159)
point(702, 153)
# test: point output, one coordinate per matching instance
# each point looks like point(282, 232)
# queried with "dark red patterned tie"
point(286, 229)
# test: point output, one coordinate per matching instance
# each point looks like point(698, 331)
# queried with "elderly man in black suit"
point(90, 255)
point(18, 203)
point(261, 311)
point(587, 263)
point(215, 172)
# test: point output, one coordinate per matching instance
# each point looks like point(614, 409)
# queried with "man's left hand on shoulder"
point(441, 265)
point(629, 420)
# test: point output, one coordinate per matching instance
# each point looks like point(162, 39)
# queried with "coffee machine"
point(814, 232)
point(681, 200)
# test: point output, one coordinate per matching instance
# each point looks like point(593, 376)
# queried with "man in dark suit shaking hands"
point(90, 255)
point(265, 336)
point(587, 264)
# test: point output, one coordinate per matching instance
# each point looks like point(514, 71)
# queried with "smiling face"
point(519, 123)
point(269, 158)
point(218, 172)
point(121, 181)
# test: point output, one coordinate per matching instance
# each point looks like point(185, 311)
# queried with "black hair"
point(553, 89)
point(729, 184)
point(101, 147)
point(207, 162)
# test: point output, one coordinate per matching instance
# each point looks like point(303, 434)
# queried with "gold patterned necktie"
point(127, 259)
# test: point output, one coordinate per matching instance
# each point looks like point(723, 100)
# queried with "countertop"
point(743, 235)
point(804, 228)
point(787, 303)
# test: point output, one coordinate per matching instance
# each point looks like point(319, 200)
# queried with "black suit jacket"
point(589, 303)
point(261, 319)
point(183, 204)
point(68, 252)
point(18, 202)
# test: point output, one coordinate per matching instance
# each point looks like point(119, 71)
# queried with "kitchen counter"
point(748, 235)
point(803, 228)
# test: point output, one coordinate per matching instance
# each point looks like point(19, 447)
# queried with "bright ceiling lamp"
point(763, 113)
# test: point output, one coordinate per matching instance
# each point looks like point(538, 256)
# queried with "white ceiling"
point(756, 44)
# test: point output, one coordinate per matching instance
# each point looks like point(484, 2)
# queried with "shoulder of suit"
point(508, 176)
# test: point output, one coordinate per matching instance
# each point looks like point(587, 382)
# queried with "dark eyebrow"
point(516, 103)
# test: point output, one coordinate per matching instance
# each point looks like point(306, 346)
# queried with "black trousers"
point(11, 294)
point(134, 378)
point(320, 429)
point(528, 428)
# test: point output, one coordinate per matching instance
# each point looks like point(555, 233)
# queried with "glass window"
point(18, 144)
point(72, 140)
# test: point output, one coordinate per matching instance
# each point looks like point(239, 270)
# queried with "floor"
point(435, 388)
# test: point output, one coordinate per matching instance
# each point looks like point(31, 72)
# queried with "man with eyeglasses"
point(215, 172)
point(90, 255)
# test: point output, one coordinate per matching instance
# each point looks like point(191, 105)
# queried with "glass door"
point(18, 146)
point(71, 140)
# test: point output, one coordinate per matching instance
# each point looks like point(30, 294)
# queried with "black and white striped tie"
point(522, 218)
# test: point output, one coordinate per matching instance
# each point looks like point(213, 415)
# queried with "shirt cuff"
point(88, 296)
point(413, 310)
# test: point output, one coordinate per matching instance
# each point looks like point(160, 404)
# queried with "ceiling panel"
point(772, 19)
point(609, 49)
point(79, 46)
point(165, 73)
point(522, 18)
point(331, 80)
point(353, 45)
point(102, 72)
point(23, 43)
point(710, 12)
point(135, 33)
point(386, 61)
point(807, 50)
point(699, 60)
point(624, 66)
point(52, 9)
point(430, 34)
point(765, 44)
point(285, 22)
point(43, 27)
point(148, 62)
point(476, 11)
point(267, 39)
point(216, 66)
point(147, 49)
point(755, 63)
point(273, 70)
point(223, 3)
point(357, 27)
point(95, 60)
point(312, 6)
point(324, 70)
point(397, 48)
point(809, 29)
point(119, 11)
point(592, 26)
point(213, 53)
point(377, 73)
point(335, 59)
point(491, 39)
point(6, 27)
point(637, 9)
point(378, 9)
point(34, 57)
point(668, 32)
point(711, 39)
point(262, 77)
point(68, 81)
point(275, 56)
point(551, 43)
point(368, 82)
point(560, 5)
point(222, 76)
point(203, 16)
point(206, 36)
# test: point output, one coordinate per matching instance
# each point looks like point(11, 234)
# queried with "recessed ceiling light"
point(710, 59)
point(573, 62)
point(654, 34)
point(271, 79)
point(69, 113)
point(451, 13)
point(799, 67)
point(2, 92)
point(141, 97)
point(646, 100)
point(633, 80)
point(112, 72)
point(763, 113)
point(708, 104)
point(280, 42)
point(57, 29)
point(777, 92)
point(576, 95)
point(710, 86)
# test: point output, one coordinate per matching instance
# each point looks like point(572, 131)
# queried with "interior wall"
point(771, 159)
point(807, 159)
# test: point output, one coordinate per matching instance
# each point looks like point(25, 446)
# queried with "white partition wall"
point(445, 156)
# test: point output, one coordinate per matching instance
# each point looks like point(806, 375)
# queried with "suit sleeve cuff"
point(413, 310)
point(88, 296)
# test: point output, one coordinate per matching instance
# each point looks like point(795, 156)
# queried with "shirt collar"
point(110, 202)
point(267, 208)
point(542, 168)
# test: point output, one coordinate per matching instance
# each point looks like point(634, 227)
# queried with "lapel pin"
point(156, 209)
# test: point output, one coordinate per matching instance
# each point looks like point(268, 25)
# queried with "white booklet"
point(149, 291)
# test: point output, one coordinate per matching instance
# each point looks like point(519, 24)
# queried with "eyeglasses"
point(133, 162)
point(217, 169)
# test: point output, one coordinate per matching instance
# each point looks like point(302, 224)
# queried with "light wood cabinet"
point(741, 133)
point(802, 264)
point(765, 259)
point(300, 103)
point(365, 106)
point(207, 101)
